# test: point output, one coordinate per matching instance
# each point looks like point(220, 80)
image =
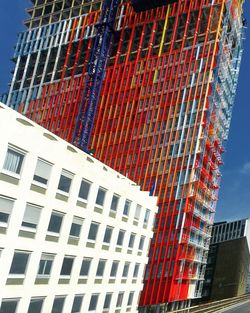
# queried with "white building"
point(74, 234)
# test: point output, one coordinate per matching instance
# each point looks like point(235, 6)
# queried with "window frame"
point(69, 175)
point(37, 182)
point(21, 153)
point(55, 233)
point(8, 211)
point(28, 253)
point(96, 234)
point(104, 197)
point(89, 266)
point(48, 259)
point(89, 189)
point(30, 228)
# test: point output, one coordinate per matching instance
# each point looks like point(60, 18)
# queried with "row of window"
point(31, 218)
point(36, 304)
point(13, 164)
point(21, 258)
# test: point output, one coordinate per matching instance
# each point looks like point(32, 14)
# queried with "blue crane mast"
point(95, 72)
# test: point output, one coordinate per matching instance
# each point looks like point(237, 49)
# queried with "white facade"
point(60, 251)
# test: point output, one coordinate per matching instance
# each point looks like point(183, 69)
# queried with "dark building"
point(228, 261)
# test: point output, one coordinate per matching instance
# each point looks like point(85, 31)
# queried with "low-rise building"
point(228, 260)
point(74, 234)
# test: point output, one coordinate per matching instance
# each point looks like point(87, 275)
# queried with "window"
point(86, 262)
point(93, 302)
point(65, 181)
point(84, 190)
point(6, 206)
point(130, 298)
point(137, 212)
point(136, 270)
point(119, 299)
point(58, 305)
point(8, 306)
point(108, 234)
point(114, 268)
point(31, 216)
point(67, 266)
point(126, 207)
point(131, 241)
point(141, 243)
point(45, 264)
point(93, 231)
point(120, 237)
point(77, 304)
point(100, 268)
point(19, 263)
point(55, 222)
point(125, 269)
point(100, 196)
point(36, 305)
point(13, 160)
point(42, 172)
point(107, 301)
point(146, 217)
point(114, 203)
point(76, 226)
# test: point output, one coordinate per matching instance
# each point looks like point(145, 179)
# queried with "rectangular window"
point(107, 301)
point(42, 172)
point(108, 234)
point(93, 230)
point(136, 270)
point(141, 243)
point(86, 262)
point(58, 305)
point(126, 207)
point(100, 196)
point(131, 241)
point(76, 226)
point(93, 302)
point(8, 306)
point(77, 304)
point(67, 266)
point(125, 269)
point(119, 299)
point(65, 181)
point(114, 268)
point(45, 265)
point(137, 212)
point(36, 305)
point(19, 263)
point(84, 189)
point(100, 268)
point(120, 237)
point(114, 203)
point(55, 222)
point(130, 298)
point(6, 206)
point(146, 217)
point(13, 160)
point(31, 216)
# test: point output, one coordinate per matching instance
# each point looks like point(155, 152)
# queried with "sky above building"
point(234, 194)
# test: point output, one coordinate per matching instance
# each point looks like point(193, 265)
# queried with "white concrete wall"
point(20, 132)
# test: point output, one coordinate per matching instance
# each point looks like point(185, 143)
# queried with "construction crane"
point(95, 72)
point(97, 64)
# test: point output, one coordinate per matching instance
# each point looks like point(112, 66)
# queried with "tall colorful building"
point(163, 115)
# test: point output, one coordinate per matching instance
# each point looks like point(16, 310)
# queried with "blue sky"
point(234, 195)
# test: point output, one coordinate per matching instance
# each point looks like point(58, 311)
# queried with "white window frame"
point(18, 151)
point(35, 182)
